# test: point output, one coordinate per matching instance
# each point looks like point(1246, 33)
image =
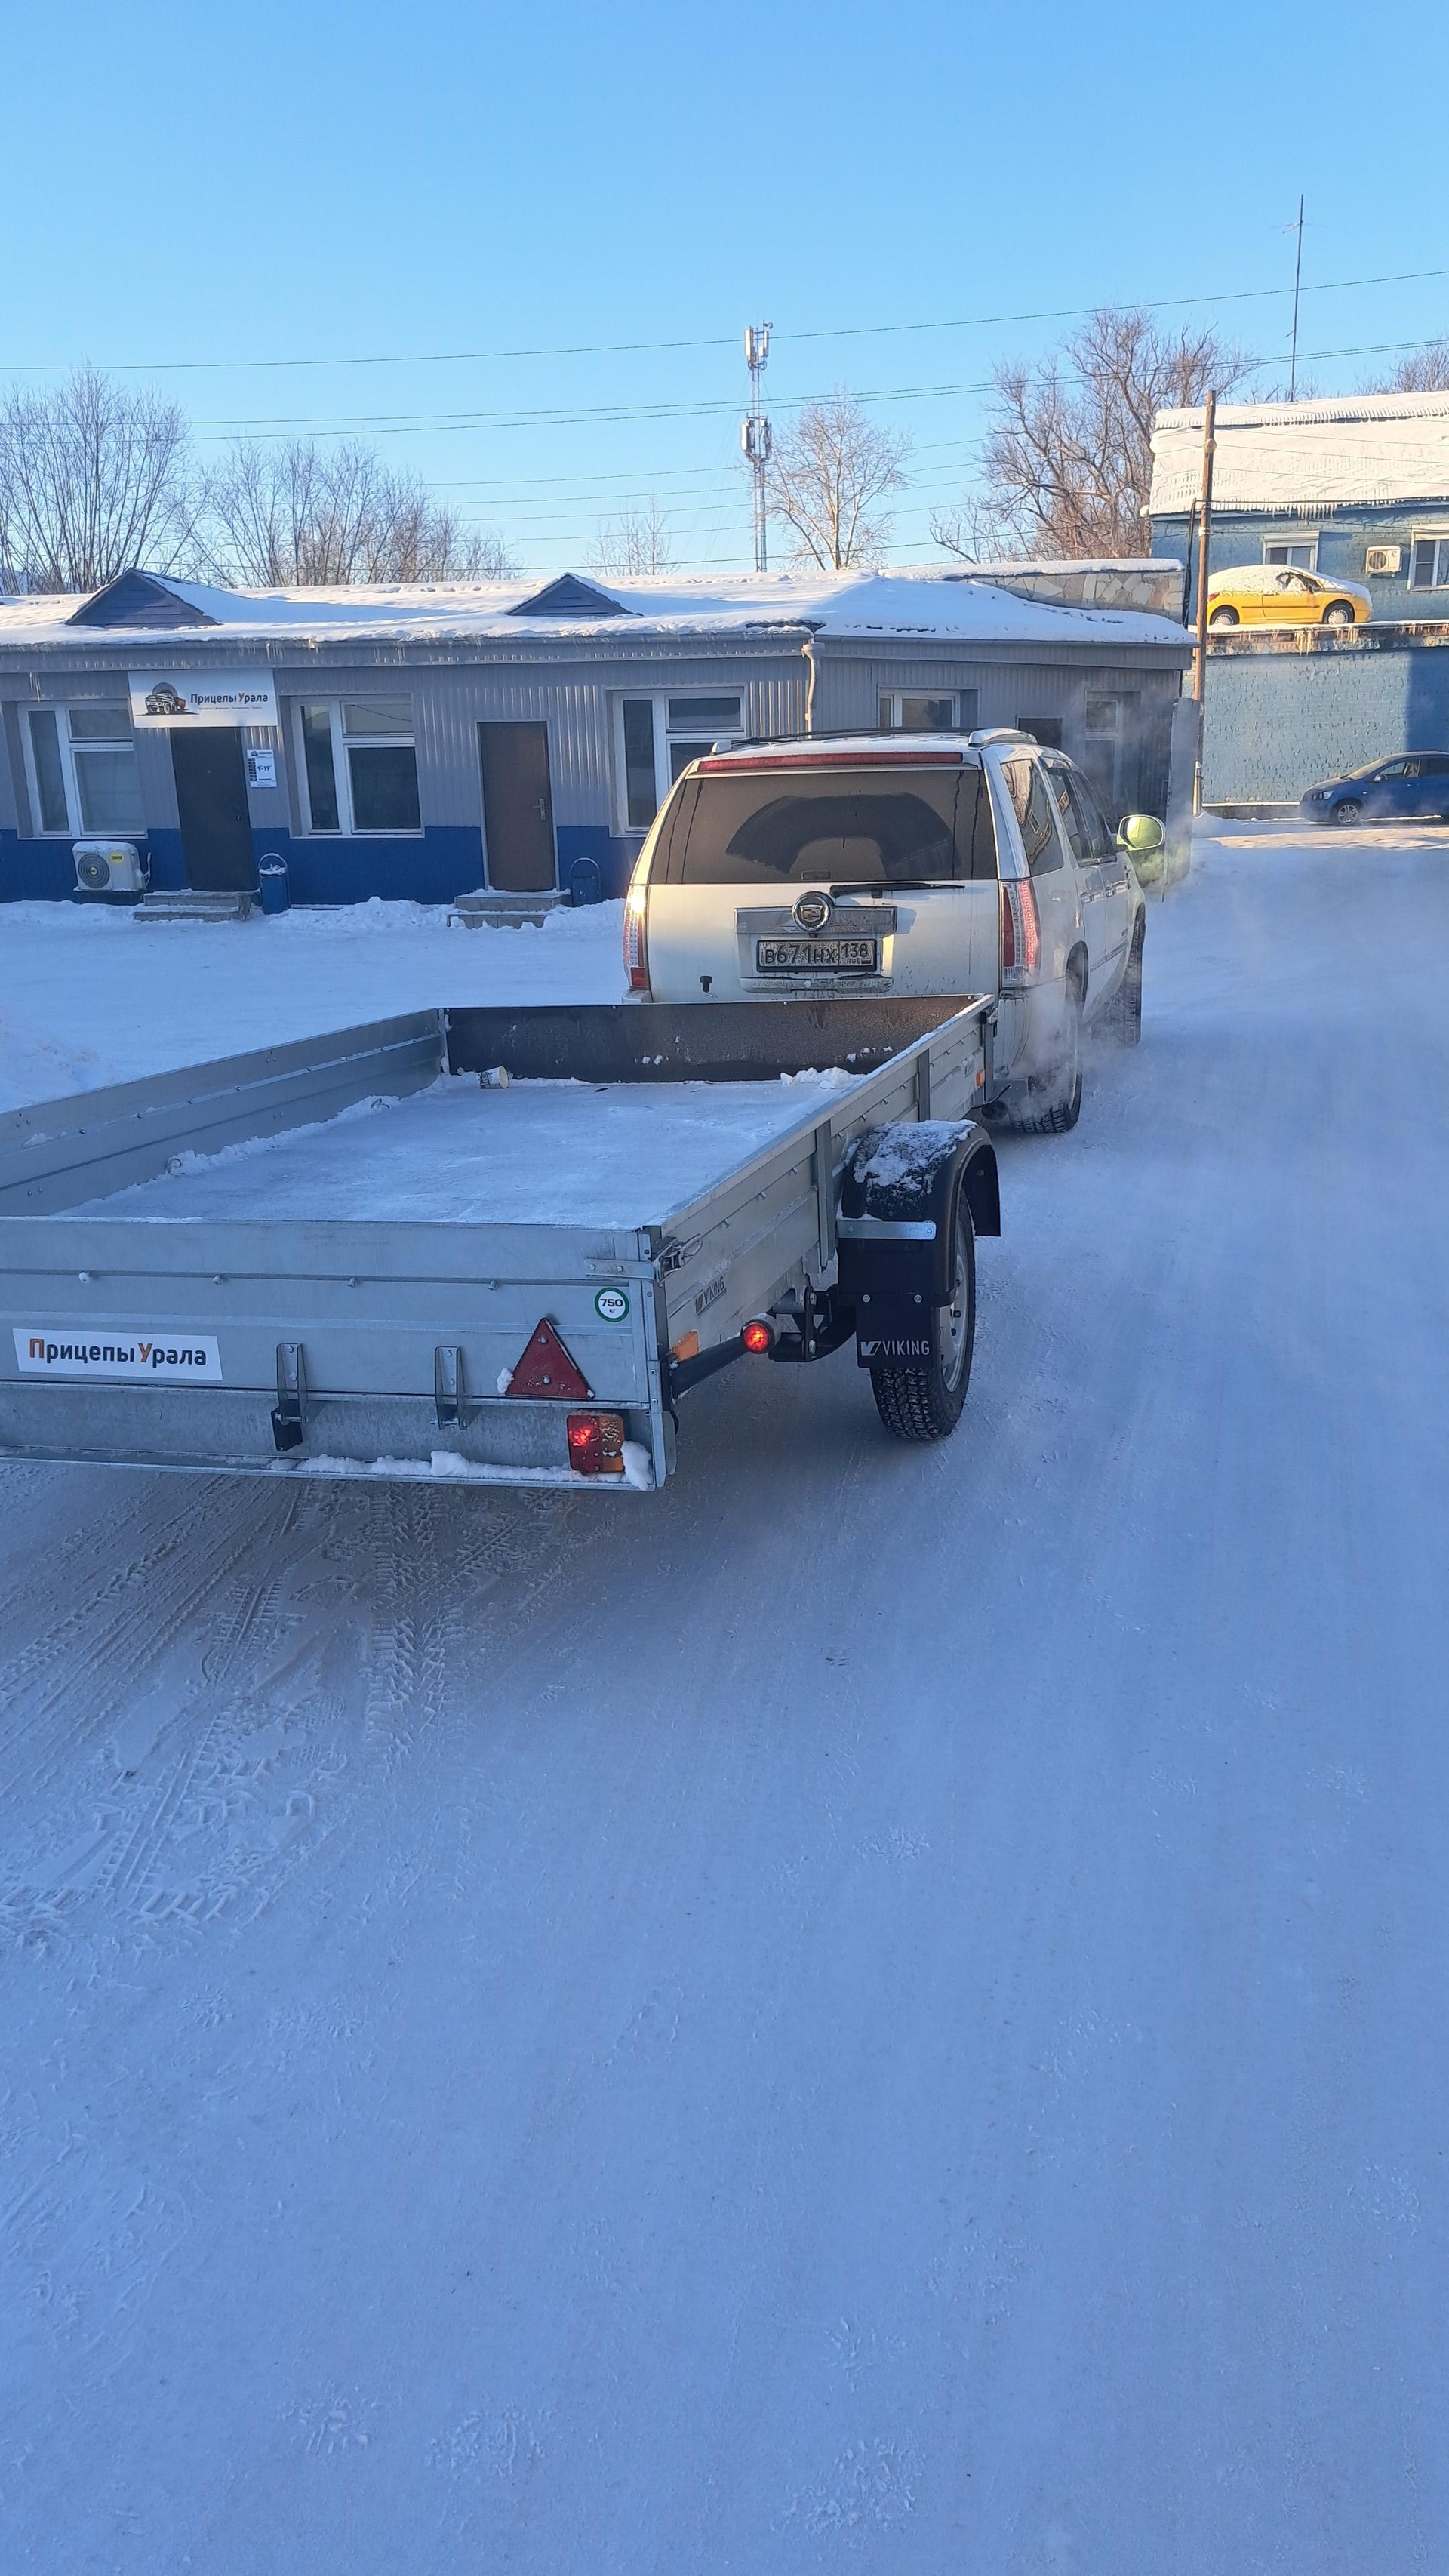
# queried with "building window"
point(1109, 730)
point(83, 773)
point(657, 737)
point(907, 711)
point(358, 765)
point(1299, 551)
point(1429, 564)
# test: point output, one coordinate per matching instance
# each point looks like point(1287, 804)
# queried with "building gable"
point(138, 599)
point(570, 597)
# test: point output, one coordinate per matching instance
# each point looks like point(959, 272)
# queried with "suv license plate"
point(816, 956)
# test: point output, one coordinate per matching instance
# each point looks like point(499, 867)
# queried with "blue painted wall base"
point(446, 862)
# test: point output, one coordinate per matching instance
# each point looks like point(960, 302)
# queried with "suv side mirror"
point(1141, 836)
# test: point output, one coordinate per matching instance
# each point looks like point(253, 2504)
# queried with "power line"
point(446, 424)
point(641, 348)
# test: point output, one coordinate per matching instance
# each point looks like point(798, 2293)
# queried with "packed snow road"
point(880, 2009)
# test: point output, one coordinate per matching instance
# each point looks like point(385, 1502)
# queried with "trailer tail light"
point(596, 1443)
point(636, 958)
point(759, 1334)
point(1020, 931)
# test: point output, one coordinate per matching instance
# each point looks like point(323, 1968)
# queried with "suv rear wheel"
point(923, 1401)
point(1124, 1017)
point(1054, 1100)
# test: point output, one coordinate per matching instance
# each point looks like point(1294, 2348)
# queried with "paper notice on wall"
point(202, 698)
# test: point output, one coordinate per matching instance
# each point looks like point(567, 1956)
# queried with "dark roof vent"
point(570, 597)
point(138, 599)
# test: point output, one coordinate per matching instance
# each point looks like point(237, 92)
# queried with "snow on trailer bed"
point(526, 1153)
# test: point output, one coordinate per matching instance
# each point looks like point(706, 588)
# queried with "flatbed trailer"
point(491, 1246)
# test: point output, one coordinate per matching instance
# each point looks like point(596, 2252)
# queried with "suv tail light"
point(636, 954)
point(1020, 930)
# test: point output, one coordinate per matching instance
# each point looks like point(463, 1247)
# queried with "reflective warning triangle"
point(546, 1368)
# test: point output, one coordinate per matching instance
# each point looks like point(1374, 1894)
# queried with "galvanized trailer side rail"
point(770, 1228)
point(63, 1152)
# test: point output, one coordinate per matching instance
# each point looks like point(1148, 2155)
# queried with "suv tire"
point(923, 1401)
point(1062, 1087)
point(1124, 1019)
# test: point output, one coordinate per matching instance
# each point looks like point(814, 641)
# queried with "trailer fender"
point(900, 1190)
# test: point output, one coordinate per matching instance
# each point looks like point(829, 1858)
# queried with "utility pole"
point(756, 437)
point(1297, 277)
point(1204, 540)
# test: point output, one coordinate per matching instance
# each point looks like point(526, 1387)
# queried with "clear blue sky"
point(307, 181)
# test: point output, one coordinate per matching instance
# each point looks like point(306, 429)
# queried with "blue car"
point(1411, 788)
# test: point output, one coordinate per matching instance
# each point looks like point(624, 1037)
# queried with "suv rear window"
point(845, 826)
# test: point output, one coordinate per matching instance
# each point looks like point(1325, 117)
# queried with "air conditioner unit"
point(1383, 559)
point(109, 867)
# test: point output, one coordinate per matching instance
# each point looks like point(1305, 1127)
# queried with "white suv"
point(899, 865)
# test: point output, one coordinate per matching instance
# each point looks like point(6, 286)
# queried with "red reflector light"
point(547, 1369)
point(759, 1334)
point(596, 1443)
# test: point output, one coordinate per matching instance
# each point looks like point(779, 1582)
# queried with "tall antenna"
point(756, 437)
point(1297, 275)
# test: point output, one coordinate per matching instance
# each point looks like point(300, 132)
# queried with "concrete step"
point(188, 905)
point(490, 910)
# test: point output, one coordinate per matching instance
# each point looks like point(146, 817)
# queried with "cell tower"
point(756, 437)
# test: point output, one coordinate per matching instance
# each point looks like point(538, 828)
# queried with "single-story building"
point(1355, 490)
point(427, 740)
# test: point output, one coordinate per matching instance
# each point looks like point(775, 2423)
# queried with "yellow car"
point(1283, 595)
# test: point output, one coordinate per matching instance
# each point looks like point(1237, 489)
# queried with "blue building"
point(1355, 490)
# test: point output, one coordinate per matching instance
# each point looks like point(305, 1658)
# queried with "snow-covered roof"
point(1306, 455)
point(944, 606)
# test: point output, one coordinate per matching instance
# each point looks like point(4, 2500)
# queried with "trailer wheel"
point(923, 1401)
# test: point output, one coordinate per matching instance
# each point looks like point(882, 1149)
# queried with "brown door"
point(517, 807)
point(211, 804)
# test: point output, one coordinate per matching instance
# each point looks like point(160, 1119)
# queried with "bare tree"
point(830, 470)
point(93, 478)
point(1067, 461)
point(637, 541)
point(303, 517)
point(1423, 371)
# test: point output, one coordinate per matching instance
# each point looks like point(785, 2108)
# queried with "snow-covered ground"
point(881, 2009)
point(88, 995)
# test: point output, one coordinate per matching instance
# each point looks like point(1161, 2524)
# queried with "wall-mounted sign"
point(202, 698)
point(261, 769)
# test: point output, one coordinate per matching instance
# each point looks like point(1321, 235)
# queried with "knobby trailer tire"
point(923, 1401)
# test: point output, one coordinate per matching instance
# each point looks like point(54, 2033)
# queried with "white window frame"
point(1439, 539)
point(894, 697)
point(659, 699)
point(1304, 543)
point(348, 829)
point(76, 829)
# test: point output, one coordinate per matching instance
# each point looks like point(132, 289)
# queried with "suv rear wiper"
point(899, 885)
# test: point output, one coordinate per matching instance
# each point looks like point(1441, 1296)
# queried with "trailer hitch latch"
point(289, 1414)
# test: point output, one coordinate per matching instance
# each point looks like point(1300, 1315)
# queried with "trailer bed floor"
point(535, 1153)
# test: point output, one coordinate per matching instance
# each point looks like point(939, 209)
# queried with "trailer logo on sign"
point(202, 698)
point(50, 1350)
